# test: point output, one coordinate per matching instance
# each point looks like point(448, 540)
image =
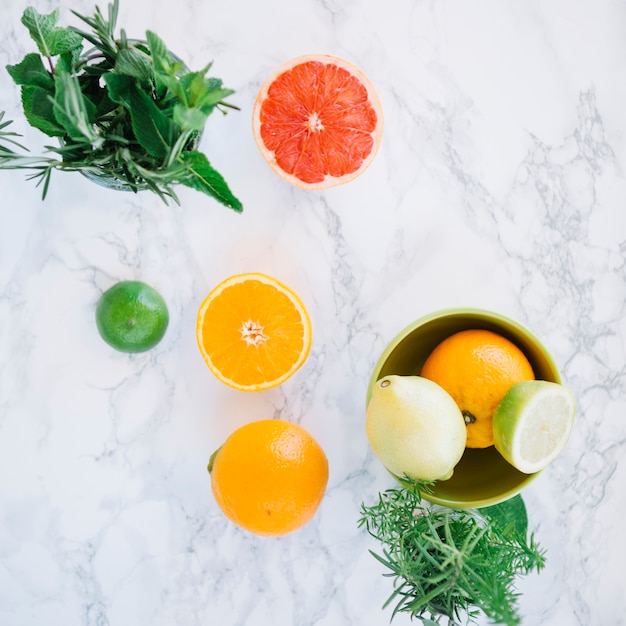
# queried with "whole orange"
point(269, 477)
point(477, 367)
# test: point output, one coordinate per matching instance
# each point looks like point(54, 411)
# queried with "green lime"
point(532, 424)
point(131, 316)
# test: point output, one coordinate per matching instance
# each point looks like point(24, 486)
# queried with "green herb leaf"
point(161, 56)
point(38, 109)
point(195, 86)
point(74, 112)
point(203, 177)
point(449, 562)
point(201, 92)
point(509, 516)
point(31, 71)
point(189, 118)
point(6, 136)
point(125, 112)
point(166, 68)
point(210, 100)
point(41, 28)
point(49, 39)
point(153, 129)
point(134, 62)
point(172, 85)
point(103, 35)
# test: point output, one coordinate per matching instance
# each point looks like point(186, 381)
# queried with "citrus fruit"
point(533, 423)
point(415, 428)
point(318, 121)
point(477, 367)
point(269, 477)
point(253, 332)
point(131, 316)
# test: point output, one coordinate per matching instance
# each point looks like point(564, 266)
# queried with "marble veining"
point(499, 184)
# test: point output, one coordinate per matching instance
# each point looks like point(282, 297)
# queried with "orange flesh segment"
point(318, 121)
point(281, 333)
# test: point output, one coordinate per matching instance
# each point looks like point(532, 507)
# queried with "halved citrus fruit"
point(253, 332)
point(533, 423)
point(318, 121)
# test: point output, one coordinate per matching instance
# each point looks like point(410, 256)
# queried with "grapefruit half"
point(318, 121)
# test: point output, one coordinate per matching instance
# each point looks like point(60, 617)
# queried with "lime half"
point(131, 316)
point(532, 424)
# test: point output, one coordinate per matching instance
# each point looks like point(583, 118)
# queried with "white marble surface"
point(499, 184)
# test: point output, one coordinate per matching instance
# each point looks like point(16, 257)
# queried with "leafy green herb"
point(510, 516)
point(124, 111)
point(448, 562)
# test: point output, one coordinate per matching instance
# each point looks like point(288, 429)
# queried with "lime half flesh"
point(132, 316)
point(533, 423)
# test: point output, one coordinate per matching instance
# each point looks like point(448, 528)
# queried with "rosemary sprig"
point(448, 562)
point(122, 110)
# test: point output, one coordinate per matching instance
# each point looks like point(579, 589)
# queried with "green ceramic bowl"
point(482, 477)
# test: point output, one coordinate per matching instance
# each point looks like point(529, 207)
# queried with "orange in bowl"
point(477, 367)
point(482, 477)
point(318, 121)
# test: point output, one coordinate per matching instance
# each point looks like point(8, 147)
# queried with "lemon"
point(415, 428)
point(131, 316)
point(532, 424)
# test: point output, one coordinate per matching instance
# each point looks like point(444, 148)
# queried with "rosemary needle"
point(449, 563)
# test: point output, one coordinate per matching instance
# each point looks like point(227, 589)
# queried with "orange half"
point(318, 121)
point(253, 332)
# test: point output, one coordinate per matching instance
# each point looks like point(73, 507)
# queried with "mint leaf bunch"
point(123, 111)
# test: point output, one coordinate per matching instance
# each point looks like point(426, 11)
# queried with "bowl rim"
point(454, 312)
point(477, 503)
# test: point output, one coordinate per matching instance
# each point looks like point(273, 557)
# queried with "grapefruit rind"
point(269, 155)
